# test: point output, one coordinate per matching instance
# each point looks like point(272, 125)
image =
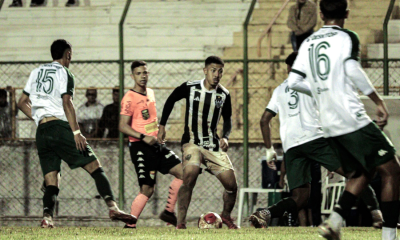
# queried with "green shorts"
point(365, 148)
point(298, 161)
point(55, 141)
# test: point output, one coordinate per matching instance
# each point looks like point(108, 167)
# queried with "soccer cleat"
point(122, 216)
point(260, 219)
point(228, 221)
point(168, 217)
point(326, 231)
point(47, 222)
point(127, 226)
point(377, 218)
point(181, 226)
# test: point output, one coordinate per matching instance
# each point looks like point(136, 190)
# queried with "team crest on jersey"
point(152, 174)
point(219, 101)
point(145, 114)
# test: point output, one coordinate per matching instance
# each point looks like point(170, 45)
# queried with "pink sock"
point(173, 194)
point(137, 206)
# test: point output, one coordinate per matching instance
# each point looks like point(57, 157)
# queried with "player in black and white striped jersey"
point(206, 101)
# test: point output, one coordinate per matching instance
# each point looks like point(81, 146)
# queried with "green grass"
point(284, 233)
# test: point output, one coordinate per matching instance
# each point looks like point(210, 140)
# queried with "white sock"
point(389, 233)
point(115, 208)
point(336, 221)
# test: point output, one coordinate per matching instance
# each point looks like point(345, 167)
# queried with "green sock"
point(285, 205)
point(49, 199)
point(103, 185)
point(369, 198)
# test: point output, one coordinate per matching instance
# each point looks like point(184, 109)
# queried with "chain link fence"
point(20, 171)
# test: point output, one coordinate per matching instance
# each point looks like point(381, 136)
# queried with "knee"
point(147, 190)
point(189, 179)
point(231, 188)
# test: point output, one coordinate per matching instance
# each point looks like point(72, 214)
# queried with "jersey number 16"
point(319, 62)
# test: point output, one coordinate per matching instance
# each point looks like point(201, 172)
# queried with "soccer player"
point(47, 99)
point(328, 69)
point(303, 143)
point(138, 120)
point(206, 101)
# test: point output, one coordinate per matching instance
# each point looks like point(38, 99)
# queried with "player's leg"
point(169, 163)
point(50, 198)
point(191, 169)
point(140, 201)
point(168, 215)
point(228, 180)
point(298, 173)
point(103, 186)
point(50, 163)
point(219, 164)
point(390, 174)
point(145, 160)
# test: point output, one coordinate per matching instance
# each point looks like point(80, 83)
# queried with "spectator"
point(89, 114)
point(41, 3)
point(5, 115)
point(302, 20)
point(108, 125)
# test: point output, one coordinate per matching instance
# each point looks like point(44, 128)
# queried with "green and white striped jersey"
point(321, 62)
point(45, 88)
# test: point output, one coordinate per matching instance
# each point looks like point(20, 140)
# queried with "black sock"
point(369, 198)
point(285, 205)
point(390, 213)
point(103, 185)
point(49, 199)
point(346, 202)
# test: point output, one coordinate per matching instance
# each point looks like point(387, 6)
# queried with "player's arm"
point(227, 127)
point(297, 83)
point(355, 73)
point(266, 133)
point(24, 103)
point(70, 114)
point(176, 95)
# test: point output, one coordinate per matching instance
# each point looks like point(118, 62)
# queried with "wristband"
point(142, 136)
point(270, 154)
point(77, 132)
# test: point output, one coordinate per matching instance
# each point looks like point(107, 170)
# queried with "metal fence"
point(20, 171)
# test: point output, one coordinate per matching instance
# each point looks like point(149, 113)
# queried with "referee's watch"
point(142, 136)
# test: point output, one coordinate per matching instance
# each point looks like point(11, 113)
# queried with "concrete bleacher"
point(153, 29)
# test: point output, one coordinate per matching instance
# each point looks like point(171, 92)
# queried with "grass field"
point(283, 233)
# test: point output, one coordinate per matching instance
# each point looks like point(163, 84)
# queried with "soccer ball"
point(210, 220)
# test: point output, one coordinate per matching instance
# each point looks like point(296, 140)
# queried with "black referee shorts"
point(149, 160)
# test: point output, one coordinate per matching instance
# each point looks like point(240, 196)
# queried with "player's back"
point(46, 86)
point(298, 116)
point(321, 61)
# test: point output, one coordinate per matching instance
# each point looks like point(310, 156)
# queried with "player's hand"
point(223, 143)
point(382, 115)
point(80, 142)
point(161, 134)
point(271, 165)
point(270, 154)
point(149, 140)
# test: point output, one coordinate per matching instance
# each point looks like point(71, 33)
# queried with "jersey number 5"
point(319, 62)
point(43, 78)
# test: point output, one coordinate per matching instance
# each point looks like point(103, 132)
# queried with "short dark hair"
point(58, 48)
point(115, 90)
point(136, 64)
point(333, 9)
point(91, 88)
point(214, 59)
point(3, 93)
point(291, 58)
